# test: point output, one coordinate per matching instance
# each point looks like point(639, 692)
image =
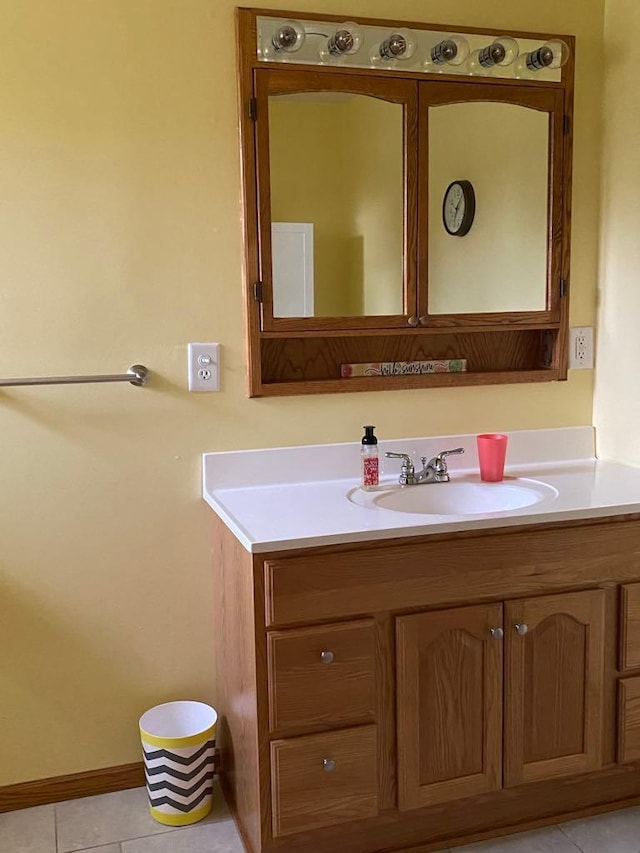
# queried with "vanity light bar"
point(358, 46)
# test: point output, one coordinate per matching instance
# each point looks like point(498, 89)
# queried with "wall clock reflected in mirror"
point(459, 208)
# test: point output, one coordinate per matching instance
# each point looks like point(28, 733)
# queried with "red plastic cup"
point(492, 451)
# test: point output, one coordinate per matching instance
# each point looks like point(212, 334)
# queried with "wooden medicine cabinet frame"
point(290, 355)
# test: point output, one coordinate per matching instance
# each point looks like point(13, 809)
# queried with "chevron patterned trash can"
point(178, 742)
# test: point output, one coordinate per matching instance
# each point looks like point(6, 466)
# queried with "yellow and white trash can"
point(178, 744)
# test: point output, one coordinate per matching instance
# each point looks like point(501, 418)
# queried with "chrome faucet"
point(433, 471)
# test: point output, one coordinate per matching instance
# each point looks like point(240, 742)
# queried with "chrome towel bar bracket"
point(136, 375)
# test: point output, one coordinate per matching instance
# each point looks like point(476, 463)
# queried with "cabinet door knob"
point(423, 319)
point(326, 657)
point(521, 628)
point(329, 765)
point(497, 633)
point(413, 321)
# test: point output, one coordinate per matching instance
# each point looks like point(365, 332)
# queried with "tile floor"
point(120, 823)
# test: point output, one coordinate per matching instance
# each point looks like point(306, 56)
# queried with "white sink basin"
point(459, 497)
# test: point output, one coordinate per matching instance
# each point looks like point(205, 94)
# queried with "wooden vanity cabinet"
point(426, 692)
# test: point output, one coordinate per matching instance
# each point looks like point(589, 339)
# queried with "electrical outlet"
point(204, 367)
point(581, 347)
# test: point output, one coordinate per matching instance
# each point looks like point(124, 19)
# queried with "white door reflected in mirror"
point(292, 253)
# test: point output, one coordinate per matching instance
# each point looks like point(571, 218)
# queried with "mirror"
point(501, 263)
point(337, 205)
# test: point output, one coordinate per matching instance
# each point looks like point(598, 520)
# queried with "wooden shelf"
point(399, 383)
point(312, 365)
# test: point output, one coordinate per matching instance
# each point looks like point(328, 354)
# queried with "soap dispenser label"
point(370, 471)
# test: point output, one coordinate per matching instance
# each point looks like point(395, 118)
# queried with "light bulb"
point(553, 54)
point(346, 41)
point(288, 38)
point(452, 50)
point(401, 44)
point(501, 52)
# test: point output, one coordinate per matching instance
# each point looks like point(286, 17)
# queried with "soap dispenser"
point(370, 463)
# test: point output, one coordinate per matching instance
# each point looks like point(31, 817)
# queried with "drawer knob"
point(329, 765)
point(497, 633)
point(521, 628)
point(326, 657)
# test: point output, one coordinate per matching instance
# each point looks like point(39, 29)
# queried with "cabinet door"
point(449, 685)
point(553, 686)
point(312, 169)
point(527, 162)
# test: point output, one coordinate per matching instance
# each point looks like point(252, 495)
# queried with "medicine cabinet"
point(401, 211)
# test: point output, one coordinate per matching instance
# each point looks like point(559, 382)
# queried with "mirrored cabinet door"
point(491, 164)
point(337, 182)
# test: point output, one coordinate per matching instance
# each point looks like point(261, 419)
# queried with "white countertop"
point(284, 498)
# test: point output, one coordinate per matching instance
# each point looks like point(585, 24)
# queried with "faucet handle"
point(407, 461)
point(455, 452)
point(438, 462)
point(407, 471)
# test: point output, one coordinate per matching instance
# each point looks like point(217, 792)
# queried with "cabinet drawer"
point(322, 587)
point(630, 627)
point(322, 676)
point(629, 720)
point(323, 779)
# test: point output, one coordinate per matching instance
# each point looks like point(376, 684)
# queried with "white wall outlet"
point(204, 367)
point(581, 347)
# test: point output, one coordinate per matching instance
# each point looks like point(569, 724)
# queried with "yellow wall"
point(501, 264)
point(307, 142)
point(617, 401)
point(337, 162)
point(379, 210)
point(121, 241)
